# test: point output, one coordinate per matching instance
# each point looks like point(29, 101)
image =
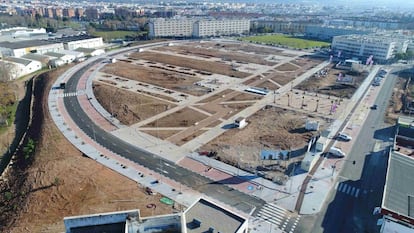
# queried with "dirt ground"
point(395, 105)
point(214, 53)
point(245, 47)
point(182, 118)
point(163, 78)
point(209, 66)
point(128, 107)
point(270, 128)
point(326, 84)
point(61, 182)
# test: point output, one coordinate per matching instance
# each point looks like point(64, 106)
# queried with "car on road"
point(374, 107)
point(344, 137)
point(336, 152)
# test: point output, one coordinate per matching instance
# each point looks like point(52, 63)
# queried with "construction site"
point(178, 92)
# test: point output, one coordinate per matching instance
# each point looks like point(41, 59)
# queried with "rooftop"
point(205, 216)
point(25, 44)
point(18, 60)
point(399, 189)
point(66, 39)
point(54, 54)
point(372, 38)
point(37, 57)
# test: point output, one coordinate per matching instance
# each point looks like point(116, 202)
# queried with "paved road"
point(197, 182)
point(360, 186)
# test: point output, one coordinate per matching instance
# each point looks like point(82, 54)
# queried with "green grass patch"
point(110, 35)
point(284, 40)
point(11, 111)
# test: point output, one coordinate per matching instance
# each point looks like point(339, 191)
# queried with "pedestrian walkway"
point(322, 180)
point(69, 94)
point(348, 189)
point(279, 217)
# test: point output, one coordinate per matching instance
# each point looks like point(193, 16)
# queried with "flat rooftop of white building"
point(205, 216)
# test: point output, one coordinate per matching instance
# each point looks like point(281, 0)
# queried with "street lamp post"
point(334, 166)
point(303, 101)
point(288, 99)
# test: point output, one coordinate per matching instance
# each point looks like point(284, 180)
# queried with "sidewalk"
point(285, 196)
point(325, 177)
point(143, 176)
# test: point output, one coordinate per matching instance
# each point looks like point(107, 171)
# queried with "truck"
point(336, 152)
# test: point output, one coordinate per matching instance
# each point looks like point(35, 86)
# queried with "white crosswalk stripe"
point(279, 217)
point(347, 189)
point(68, 94)
point(273, 214)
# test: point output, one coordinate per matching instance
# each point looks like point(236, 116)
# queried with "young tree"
point(6, 71)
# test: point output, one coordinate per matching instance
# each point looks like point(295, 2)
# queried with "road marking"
point(342, 186)
point(357, 193)
point(353, 190)
point(348, 190)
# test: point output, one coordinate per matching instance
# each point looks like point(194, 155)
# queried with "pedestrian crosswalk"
point(348, 189)
point(68, 94)
point(279, 217)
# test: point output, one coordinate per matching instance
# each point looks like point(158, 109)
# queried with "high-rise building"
point(197, 27)
point(69, 12)
point(380, 47)
point(91, 13)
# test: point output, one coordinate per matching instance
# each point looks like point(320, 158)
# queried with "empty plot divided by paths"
point(147, 160)
point(172, 102)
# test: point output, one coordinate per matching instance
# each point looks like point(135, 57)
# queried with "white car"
point(344, 137)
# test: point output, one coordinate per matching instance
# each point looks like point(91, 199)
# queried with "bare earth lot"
point(328, 85)
point(271, 128)
point(162, 78)
point(129, 107)
point(217, 54)
point(209, 66)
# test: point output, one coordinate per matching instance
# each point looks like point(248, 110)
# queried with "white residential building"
point(59, 58)
point(89, 52)
point(84, 41)
point(171, 27)
point(382, 48)
point(20, 48)
point(205, 28)
point(19, 67)
point(197, 27)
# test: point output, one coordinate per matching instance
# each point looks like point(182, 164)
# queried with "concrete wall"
point(97, 219)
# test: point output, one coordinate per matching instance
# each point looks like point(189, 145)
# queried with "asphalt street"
point(360, 186)
point(186, 177)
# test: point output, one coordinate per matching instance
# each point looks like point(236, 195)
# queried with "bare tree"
point(6, 71)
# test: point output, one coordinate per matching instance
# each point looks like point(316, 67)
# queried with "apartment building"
point(327, 33)
point(161, 27)
point(197, 27)
point(206, 28)
point(381, 47)
point(68, 12)
point(281, 26)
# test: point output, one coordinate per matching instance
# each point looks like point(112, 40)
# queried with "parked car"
point(374, 107)
point(344, 137)
point(336, 152)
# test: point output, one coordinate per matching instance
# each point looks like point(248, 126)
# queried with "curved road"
point(186, 177)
